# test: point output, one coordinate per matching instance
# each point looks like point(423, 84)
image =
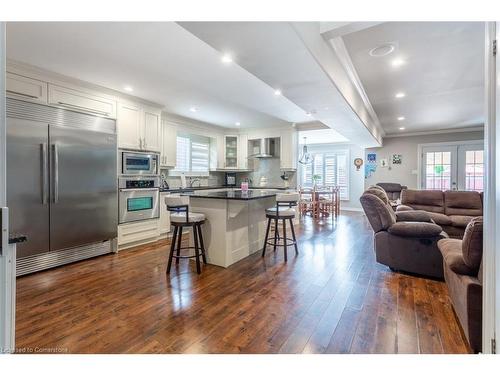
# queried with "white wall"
point(407, 147)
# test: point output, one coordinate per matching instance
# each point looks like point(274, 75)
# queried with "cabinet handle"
point(144, 141)
point(96, 111)
point(140, 143)
point(22, 94)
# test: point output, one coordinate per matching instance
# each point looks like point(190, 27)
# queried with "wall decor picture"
point(358, 162)
point(397, 159)
point(383, 163)
point(371, 158)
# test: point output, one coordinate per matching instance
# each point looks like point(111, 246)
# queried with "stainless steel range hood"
point(266, 148)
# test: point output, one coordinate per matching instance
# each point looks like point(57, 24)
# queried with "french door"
point(453, 167)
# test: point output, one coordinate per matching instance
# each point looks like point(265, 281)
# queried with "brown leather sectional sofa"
point(451, 210)
point(416, 239)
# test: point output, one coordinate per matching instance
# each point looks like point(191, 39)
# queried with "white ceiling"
point(442, 77)
point(295, 58)
point(162, 61)
point(320, 136)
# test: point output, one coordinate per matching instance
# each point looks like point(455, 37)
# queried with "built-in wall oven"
point(138, 198)
point(138, 163)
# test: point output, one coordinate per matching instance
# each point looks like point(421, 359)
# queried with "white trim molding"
point(478, 128)
point(491, 235)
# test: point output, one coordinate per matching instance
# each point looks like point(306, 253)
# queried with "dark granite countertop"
point(232, 194)
point(188, 190)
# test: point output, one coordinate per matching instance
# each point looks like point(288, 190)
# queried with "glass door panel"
point(231, 151)
point(471, 167)
point(439, 168)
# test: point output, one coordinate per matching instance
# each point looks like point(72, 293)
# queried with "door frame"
point(491, 236)
point(420, 154)
point(7, 251)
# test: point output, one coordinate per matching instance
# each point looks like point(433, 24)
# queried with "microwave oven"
point(139, 163)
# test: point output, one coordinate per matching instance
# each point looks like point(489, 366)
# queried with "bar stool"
point(283, 211)
point(181, 217)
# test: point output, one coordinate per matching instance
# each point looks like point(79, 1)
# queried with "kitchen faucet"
point(193, 180)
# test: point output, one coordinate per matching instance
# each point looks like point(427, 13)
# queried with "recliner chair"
point(392, 189)
point(464, 279)
point(405, 241)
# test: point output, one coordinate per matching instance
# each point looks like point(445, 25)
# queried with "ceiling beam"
point(330, 30)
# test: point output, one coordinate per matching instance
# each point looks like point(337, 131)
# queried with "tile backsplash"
point(269, 168)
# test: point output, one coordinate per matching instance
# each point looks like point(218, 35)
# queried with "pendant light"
point(306, 157)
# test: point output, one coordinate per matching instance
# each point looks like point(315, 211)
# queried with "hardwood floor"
point(332, 298)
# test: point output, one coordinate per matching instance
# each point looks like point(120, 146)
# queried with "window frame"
point(326, 152)
point(193, 138)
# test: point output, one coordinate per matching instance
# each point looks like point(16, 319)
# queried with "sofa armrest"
point(415, 216)
point(451, 249)
point(415, 229)
point(403, 207)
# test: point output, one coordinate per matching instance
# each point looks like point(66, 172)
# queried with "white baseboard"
point(356, 209)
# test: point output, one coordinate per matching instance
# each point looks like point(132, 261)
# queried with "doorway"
point(452, 166)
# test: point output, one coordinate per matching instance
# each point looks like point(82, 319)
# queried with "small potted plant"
point(316, 178)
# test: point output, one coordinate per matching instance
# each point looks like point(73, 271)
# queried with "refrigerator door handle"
point(45, 173)
point(55, 156)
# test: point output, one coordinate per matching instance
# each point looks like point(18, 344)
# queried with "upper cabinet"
point(168, 155)
point(152, 129)
point(288, 150)
point(139, 127)
point(82, 101)
point(231, 151)
point(24, 88)
point(129, 126)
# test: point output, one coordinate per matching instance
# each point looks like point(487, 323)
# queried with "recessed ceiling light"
point(193, 109)
point(382, 50)
point(402, 128)
point(400, 95)
point(277, 92)
point(308, 114)
point(227, 59)
point(237, 123)
point(401, 118)
point(397, 62)
point(128, 88)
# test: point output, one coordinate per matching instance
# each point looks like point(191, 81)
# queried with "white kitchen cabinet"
point(139, 127)
point(81, 101)
point(168, 155)
point(24, 88)
point(164, 215)
point(151, 129)
point(137, 233)
point(242, 151)
point(231, 148)
point(288, 150)
point(129, 126)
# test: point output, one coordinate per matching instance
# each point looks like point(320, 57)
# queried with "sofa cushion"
point(415, 229)
point(402, 207)
point(460, 220)
point(472, 244)
point(380, 215)
point(427, 200)
point(380, 193)
point(413, 215)
point(451, 249)
point(440, 219)
point(454, 232)
point(465, 203)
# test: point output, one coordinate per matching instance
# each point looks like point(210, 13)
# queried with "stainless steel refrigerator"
point(61, 184)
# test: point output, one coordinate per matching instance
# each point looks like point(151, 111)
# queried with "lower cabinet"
point(138, 233)
point(164, 216)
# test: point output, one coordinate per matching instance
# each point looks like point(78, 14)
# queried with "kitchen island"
point(236, 222)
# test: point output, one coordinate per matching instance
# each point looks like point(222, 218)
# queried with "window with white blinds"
point(193, 154)
point(330, 169)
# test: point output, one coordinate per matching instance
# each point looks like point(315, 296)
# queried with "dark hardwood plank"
point(333, 297)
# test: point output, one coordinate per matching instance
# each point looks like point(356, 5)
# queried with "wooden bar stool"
point(283, 211)
point(180, 217)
